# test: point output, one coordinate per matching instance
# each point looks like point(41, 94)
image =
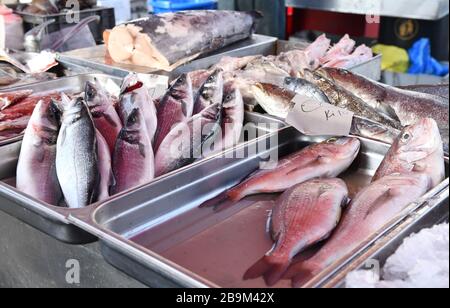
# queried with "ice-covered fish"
point(105, 117)
point(303, 216)
point(418, 149)
point(370, 210)
point(36, 171)
point(190, 141)
point(175, 106)
point(135, 95)
point(77, 163)
point(165, 41)
point(133, 159)
point(210, 93)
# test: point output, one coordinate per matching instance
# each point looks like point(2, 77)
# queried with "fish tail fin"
point(271, 268)
point(302, 272)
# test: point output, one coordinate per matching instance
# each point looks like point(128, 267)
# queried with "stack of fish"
point(311, 208)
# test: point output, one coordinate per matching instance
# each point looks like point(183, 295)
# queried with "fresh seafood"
point(166, 41)
point(198, 78)
point(407, 106)
point(14, 127)
point(105, 117)
point(275, 100)
point(104, 166)
point(231, 64)
point(418, 149)
point(36, 171)
point(370, 210)
point(343, 48)
point(438, 90)
point(77, 163)
point(305, 88)
point(134, 95)
point(373, 130)
point(9, 99)
point(319, 47)
point(190, 141)
point(133, 159)
point(26, 106)
point(210, 93)
point(323, 160)
point(303, 216)
point(175, 106)
point(360, 55)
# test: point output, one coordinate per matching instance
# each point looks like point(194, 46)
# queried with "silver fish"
point(210, 93)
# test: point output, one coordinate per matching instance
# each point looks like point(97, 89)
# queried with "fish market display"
point(9, 99)
point(418, 149)
point(438, 90)
point(343, 48)
point(274, 100)
point(77, 163)
point(210, 93)
point(36, 171)
point(133, 159)
point(369, 211)
point(323, 160)
point(190, 141)
point(407, 106)
point(168, 40)
point(134, 95)
point(106, 119)
point(360, 55)
point(303, 216)
point(175, 106)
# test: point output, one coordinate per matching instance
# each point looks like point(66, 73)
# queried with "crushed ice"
point(422, 261)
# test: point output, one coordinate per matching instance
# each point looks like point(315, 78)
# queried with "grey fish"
point(275, 100)
point(174, 107)
point(305, 88)
point(373, 130)
point(77, 164)
point(36, 171)
point(210, 93)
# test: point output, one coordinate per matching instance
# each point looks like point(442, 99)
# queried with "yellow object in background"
point(395, 59)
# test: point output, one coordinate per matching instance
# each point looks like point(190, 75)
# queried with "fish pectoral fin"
point(381, 200)
point(319, 160)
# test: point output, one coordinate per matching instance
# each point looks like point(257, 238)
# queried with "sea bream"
point(133, 158)
point(174, 107)
point(36, 171)
point(210, 93)
point(166, 41)
point(135, 95)
point(419, 149)
point(302, 216)
point(370, 210)
point(77, 163)
point(106, 119)
point(190, 141)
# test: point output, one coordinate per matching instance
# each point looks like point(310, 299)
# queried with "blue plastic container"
point(182, 5)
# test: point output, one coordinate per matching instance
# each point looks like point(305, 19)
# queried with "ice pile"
point(422, 261)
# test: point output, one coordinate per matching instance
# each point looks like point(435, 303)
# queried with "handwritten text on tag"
point(315, 118)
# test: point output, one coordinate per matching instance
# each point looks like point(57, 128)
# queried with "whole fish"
point(441, 90)
point(371, 209)
point(419, 148)
point(305, 88)
point(322, 160)
point(233, 118)
point(134, 94)
point(105, 117)
point(407, 106)
point(133, 159)
point(190, 141)
point(275, 100)
point(11, 98)
point(36, 171)
point(303, 216)
point(343, 98)
point(77, 163)
point(210, 93)
point(176, 106)
point(104, 166)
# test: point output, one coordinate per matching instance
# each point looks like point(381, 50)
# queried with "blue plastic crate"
point(182, 5)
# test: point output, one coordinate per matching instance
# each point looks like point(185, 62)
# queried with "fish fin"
point(271, 269)
point(381, 200)
point(317, 161)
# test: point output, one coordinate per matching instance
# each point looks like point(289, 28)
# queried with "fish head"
point(181, 88)
point(135, 124)
point(343, 148)
point(46, 121)
point(73, 109)
point(418, 141)
point(95, 98)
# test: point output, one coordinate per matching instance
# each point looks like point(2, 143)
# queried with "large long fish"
point(133, 159)
point(135, 95)
point(418, 149)
point(322, 160)
point(190, 141)
point(303, 216)
point(407, 106)
point(165, 41)
point(175, 107)
point(77, 163)
point(105, 117)
point(370, 210)
point(36, 171)
point(210, 93)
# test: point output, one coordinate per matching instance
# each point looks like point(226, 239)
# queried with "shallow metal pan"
point(165, 237)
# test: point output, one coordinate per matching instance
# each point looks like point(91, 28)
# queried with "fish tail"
point(270, 267)
point(302, 272)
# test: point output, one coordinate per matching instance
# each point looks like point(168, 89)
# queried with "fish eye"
point(181, 79)
point(406, 136)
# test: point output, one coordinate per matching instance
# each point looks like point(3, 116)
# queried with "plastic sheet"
point(422, 62)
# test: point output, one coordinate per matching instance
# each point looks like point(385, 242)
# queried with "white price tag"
point(315, 118)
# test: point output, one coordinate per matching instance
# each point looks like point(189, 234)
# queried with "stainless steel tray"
point(53, 220)
point(165, 238)
point(417, 9)
point(95, 58)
